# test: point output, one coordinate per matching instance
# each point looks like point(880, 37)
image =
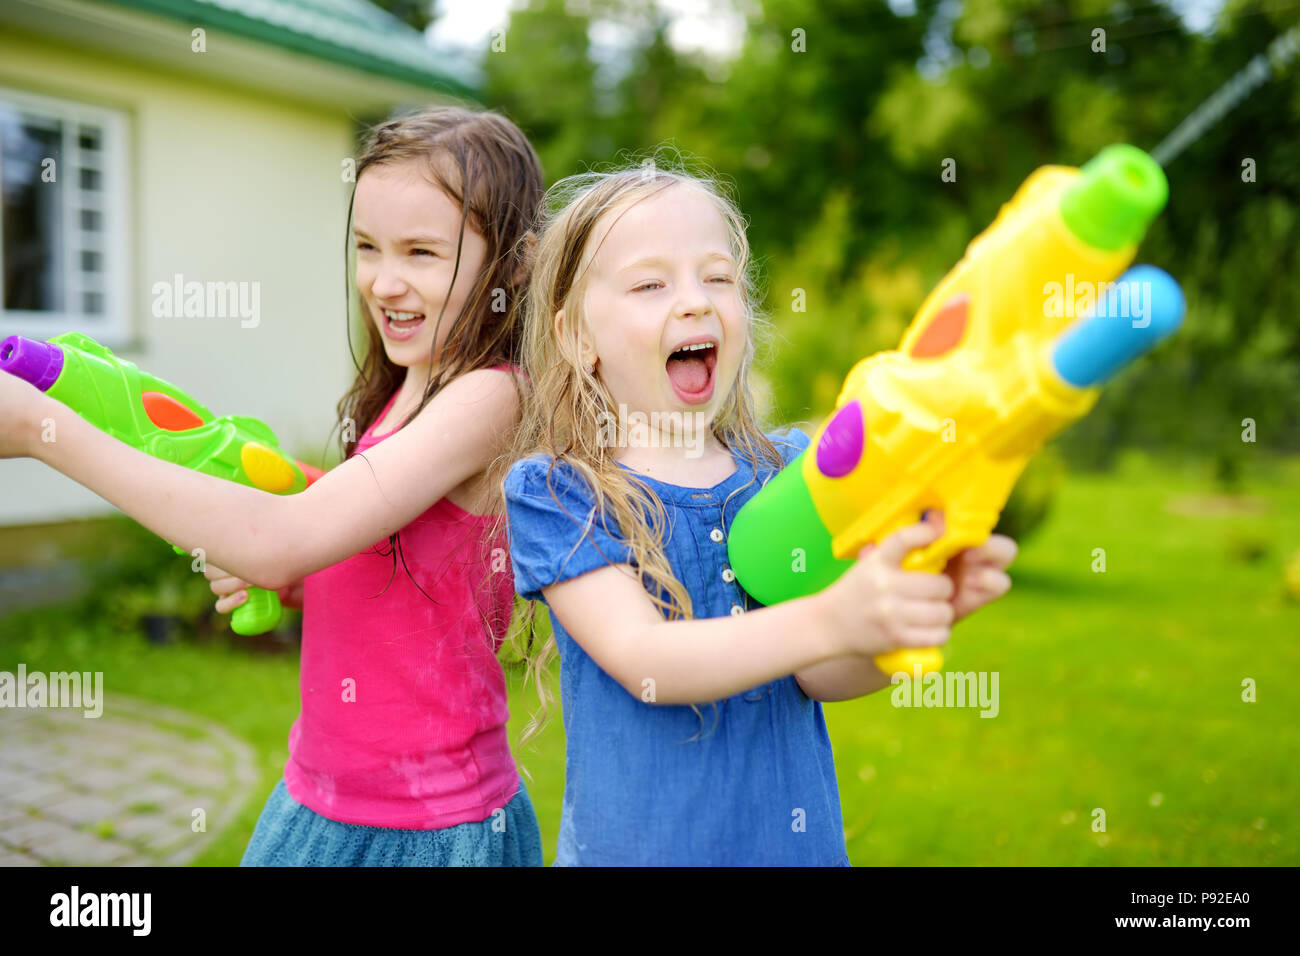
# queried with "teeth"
point(695, 348)
point(401, 316)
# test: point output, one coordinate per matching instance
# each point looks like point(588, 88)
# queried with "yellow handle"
point(933, 559)
point(908, 659)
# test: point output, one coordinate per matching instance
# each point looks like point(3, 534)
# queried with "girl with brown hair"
point(400, 754)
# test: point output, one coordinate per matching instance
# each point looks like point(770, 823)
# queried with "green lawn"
point(1119, 691)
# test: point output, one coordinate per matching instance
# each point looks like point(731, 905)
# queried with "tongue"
point(690, 374)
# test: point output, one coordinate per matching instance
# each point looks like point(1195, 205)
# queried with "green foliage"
point(545, 81)
point(134, 573)
point(836, 140)
point(415, 13)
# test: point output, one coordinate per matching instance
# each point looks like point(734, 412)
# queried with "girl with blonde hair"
point(640, 445)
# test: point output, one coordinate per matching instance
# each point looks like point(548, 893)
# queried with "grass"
point(1120, 693)
point(254, 697)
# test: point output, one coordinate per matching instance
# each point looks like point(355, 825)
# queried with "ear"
point(586, 348)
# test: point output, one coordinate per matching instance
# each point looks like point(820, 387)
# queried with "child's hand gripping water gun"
point(161, 420)
point(991, 367)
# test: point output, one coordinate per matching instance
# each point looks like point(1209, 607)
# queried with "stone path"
point(117, 790)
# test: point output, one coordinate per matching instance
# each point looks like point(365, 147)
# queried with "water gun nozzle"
point(33, 361)
point(1121, 190)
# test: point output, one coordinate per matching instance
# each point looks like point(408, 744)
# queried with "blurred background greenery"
point(833, 123)
point(1120, 690)
point(836, 156)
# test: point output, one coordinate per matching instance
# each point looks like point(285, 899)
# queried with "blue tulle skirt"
point(289, 834)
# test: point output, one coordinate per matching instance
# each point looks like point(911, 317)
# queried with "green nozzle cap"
point(1121, 190)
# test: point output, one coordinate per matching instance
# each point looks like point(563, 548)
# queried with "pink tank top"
point(403, 720)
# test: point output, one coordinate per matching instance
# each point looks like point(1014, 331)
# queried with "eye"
point(428, 252)
point(727, 279)
point(363, 246)
point(652, 284)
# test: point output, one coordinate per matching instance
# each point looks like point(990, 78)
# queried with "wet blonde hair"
point(563, 418)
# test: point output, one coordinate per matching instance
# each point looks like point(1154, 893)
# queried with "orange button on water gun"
point(165, 412)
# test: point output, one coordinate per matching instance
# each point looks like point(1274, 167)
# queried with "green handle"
point(258, 614)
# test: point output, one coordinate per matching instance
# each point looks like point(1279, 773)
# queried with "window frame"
point(111, 327)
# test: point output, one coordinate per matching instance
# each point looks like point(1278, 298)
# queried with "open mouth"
point(690, 371)
point(399, 324)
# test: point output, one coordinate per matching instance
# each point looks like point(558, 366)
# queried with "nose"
point(388, 283)
point(694, 301)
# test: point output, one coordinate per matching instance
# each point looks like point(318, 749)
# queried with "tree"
point(416, 13)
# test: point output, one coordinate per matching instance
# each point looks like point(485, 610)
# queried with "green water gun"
point(161, 420)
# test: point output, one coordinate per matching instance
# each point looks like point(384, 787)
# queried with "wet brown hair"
point(484, 163)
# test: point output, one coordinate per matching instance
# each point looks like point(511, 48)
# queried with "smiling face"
point(665, 322)
point(405, 229)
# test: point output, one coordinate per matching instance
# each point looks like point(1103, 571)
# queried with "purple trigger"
point(840, 448)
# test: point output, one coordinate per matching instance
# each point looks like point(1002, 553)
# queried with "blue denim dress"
point(752, 782)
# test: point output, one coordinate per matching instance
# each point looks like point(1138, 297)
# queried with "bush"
point(134, 573)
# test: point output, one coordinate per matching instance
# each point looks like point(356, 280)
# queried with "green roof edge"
point(203, 14)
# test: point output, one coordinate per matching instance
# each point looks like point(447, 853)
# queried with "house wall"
point(224, 186)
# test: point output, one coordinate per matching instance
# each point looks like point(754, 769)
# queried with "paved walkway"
point(117, 790)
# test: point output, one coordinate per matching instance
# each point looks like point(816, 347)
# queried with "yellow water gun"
point(1006, 351)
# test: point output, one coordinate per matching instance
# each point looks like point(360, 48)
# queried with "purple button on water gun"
point(840, 448)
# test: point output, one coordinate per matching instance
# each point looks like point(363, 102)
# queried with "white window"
point(64, 250)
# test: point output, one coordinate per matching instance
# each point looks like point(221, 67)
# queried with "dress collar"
point(698, 497)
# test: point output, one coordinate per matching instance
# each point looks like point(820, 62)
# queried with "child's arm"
point(842, 678)
point(272, 540)
point(872, 608)
point(231, 591)
point(979, 578)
